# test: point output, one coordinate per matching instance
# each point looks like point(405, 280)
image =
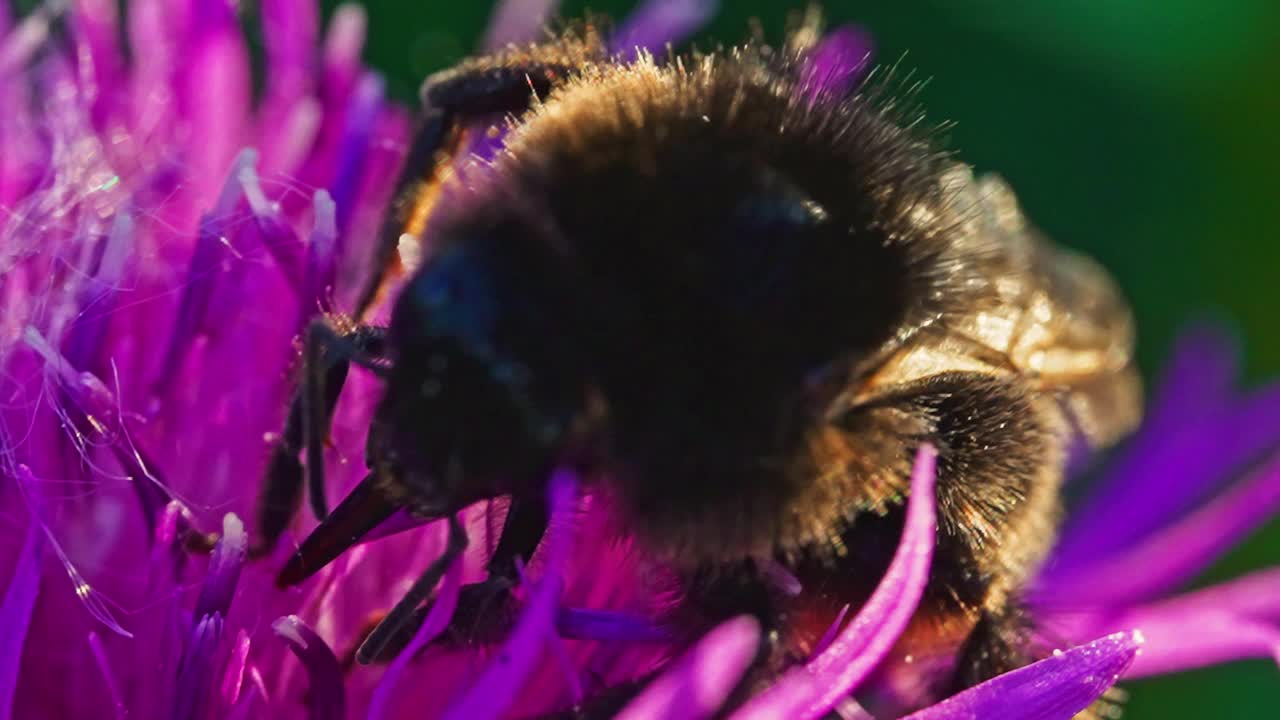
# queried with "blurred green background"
point(1145, 132)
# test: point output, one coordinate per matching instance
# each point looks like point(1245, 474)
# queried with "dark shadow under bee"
point(738, 304)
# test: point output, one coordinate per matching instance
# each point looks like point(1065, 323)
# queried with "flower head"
point(163, 239)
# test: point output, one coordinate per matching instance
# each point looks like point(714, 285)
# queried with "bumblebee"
point(737, 303)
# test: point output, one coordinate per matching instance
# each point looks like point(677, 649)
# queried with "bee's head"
point(481, 395)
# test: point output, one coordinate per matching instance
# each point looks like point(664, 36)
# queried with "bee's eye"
point(453, 296)
point(765, 242)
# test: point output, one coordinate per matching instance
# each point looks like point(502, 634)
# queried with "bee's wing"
point(1058, 318)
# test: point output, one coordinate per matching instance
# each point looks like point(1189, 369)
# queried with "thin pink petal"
point(812, 691)
point(1172, 555)
point(699, 682)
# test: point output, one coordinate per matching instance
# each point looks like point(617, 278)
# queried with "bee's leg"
point(486, 609)
point(330, 346)
point(392, 626)
point(451, 98)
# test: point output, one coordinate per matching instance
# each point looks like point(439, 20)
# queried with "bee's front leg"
point(487, 609)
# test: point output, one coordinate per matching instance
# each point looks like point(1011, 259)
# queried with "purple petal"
point(1196, 434)
point(327, 698)
point(658, 22)
point(290, 116)
point(1255, 596)
point(233, 677)
point(321, 257)
point(840, 59)
point(698, 683)
point(813, 690)
point(1054, 688)
point(22, 42)
point(213, 89)
point(1172, 555)
point(15, 612)
point(224, 569)
point(290, 29)
point(195, 674)
point(829, 636)
point(240, 711)
point(437, 620)
point(1178, 641)
point(608, 626)
point(97, 297)
point(104, 665)
point(274, 232)
point(780, 577)
point(202, 274)
point(497, 686)
point(1200, 375)
point(517, 21)
point(362, 115)
point(85, 593)
point(96, 27)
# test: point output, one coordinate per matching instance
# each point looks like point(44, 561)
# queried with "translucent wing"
point(1058, 318)
point(1048, 314)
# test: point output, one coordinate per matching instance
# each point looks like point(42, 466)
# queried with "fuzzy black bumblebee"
point(737, 304)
